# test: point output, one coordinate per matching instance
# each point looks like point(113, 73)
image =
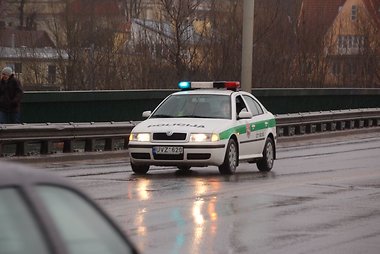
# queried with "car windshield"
point(19, 230)
point(83, 228)
point(195, 106)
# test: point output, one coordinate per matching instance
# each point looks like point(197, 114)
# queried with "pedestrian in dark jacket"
point(10, 97)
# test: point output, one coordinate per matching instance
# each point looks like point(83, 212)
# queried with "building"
point(353, 44)
point(33, 57)
point(341, 42)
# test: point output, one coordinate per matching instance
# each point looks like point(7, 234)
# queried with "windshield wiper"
point(162, 116)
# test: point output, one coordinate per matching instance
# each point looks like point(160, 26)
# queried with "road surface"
point(323, 196)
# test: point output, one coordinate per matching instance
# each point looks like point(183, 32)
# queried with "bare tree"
point(199, 40)
point(89, 40)
point(183, 46)
point(274, 42)
point(21, 13)
point(132, 8)
point(224, 40)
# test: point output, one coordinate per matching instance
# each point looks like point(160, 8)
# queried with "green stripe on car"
point(242, 129)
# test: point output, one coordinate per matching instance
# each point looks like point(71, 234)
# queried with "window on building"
point(354, 12)
point(362, 41)
point(351, 43)
point(336, 68)
point(350, 40)
point(18, 68)
point(52, 74)
point(356, 41)
point(351, 68)
point(340, 41)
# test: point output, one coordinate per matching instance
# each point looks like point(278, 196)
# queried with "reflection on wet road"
point(320, 198)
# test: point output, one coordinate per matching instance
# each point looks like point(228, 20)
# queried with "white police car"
point(207, 123)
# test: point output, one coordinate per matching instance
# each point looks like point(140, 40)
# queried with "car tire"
point(140, 169)
point(265, 164)
point(230, 159)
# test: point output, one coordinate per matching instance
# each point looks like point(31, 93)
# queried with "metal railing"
point(64, 136)
point(48, 138)
point(312, 122)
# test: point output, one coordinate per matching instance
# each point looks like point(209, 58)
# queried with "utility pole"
point(247, 50)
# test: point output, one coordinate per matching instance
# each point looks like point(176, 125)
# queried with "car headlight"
point(140, 137)
point(204, 137)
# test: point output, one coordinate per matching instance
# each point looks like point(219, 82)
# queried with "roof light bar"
point(230, 85)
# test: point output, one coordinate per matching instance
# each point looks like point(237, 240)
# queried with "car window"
point(19, 231)
point(195, 106)
point(240, 105)
point(253, 105)
point(83, 228)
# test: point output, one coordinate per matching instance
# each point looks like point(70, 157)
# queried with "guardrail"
point(108, 136)
point(64, 137)
point(312, 122)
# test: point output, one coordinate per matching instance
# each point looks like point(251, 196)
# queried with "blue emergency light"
point(184, 85)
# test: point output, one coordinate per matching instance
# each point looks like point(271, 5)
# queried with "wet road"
point(321, 197)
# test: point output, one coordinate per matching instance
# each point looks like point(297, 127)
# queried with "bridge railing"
point(47, 138)
point(312, 122)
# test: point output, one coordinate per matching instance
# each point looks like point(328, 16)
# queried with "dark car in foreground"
point(43, 213)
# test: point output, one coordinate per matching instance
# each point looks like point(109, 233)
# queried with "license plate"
point(167, 150)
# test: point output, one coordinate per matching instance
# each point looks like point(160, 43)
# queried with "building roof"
point(33, 53)
point(373, 7)
point(319, 15)
point(11, 37)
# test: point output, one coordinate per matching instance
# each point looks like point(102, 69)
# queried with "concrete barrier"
point(120, 106)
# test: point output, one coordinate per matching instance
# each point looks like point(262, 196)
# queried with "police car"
point(207, 123)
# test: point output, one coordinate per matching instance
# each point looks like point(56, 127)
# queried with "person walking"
point(10, 97)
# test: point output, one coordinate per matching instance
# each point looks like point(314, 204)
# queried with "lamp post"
point(247, 49)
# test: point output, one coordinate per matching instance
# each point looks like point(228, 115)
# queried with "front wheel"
point(265, 164)
point(230, 159)
point(139, 169)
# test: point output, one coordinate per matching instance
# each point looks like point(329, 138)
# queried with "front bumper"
point(199, 155)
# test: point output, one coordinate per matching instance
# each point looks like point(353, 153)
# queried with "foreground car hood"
point(182, 125)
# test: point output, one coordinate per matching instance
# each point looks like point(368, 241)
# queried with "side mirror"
point(245, 115)
point(146, 114)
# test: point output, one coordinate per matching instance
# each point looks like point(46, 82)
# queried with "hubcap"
point(232, 157)
point(269, 154)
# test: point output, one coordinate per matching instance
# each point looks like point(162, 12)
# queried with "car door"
point(244, 128)
point(259, 123)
